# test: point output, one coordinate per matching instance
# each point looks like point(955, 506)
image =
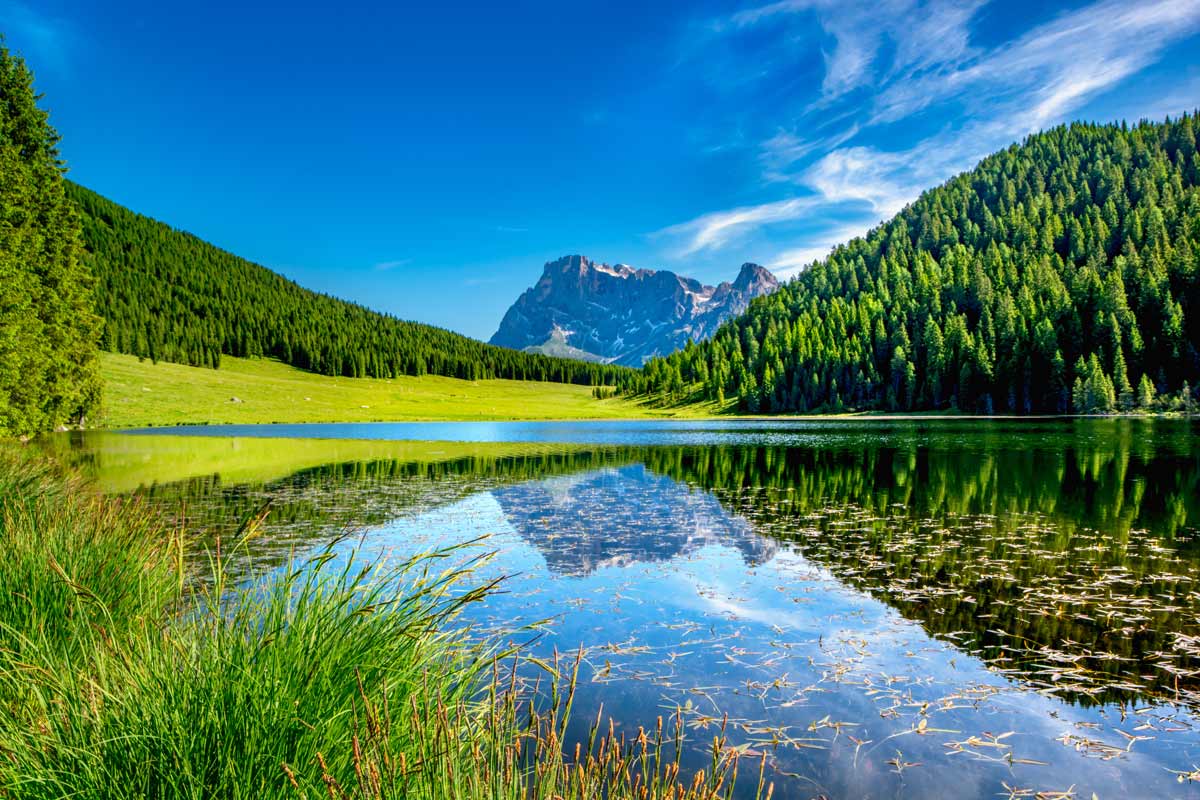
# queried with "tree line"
point(170, 296)
point(1059, 275)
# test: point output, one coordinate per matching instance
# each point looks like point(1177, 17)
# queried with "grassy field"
point(139, 393)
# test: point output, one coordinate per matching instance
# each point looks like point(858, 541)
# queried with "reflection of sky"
point(760, 432)
point(780, 646)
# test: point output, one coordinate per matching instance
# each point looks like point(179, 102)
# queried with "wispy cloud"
point(712, 231)
point(41, 37)
point(789, 262)
point(924, 34)
point(780, 153)
point(388, 266)
point(1053, 68)
point(844, 155)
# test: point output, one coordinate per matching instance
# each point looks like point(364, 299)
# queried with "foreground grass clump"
point(75, 568)
point(223, 700)
point(328, 679)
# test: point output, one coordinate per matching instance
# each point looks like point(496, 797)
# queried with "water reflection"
point(1016, 607)
point(622, 516)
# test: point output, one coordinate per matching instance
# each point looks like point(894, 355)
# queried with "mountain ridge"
point(617, 314)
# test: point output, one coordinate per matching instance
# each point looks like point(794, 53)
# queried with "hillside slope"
point(583, 309)
point(167, 295)
point(1060, 274)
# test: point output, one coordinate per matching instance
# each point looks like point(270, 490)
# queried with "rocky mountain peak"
point(581, 308)
point(755, 279)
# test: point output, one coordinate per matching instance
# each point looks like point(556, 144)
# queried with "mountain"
point(167, 295)
point(616, 314)
point(1061, 274)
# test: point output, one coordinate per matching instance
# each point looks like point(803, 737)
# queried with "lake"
point(885, 608)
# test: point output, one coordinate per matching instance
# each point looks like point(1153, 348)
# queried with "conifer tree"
point(48, 330)
point(1146, 393)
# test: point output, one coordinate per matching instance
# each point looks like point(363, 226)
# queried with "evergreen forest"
point(1059, 275)
point(170, 296)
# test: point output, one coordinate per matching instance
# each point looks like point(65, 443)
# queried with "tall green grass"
point(74, 568)
point(328, 679)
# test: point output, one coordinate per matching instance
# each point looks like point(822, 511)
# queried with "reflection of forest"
point(1067, 556)
point(1073, 562)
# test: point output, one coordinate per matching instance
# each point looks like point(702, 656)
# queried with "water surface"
point(950, 608)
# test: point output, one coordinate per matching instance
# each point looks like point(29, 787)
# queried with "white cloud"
point(793, 261)
point(862, 174)
point(923, 34)
point(388, 266)
point(785, 149)
point(714, 230)
point(893, 59)
point(1049, 71)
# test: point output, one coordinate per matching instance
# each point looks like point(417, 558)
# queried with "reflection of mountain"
point(1034, 546)
point(310, 506)
point(622, 516)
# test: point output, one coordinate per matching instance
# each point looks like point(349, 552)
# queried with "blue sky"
point(427, 161)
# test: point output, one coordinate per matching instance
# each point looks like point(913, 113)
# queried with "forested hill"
point(1059, 274)
point(167, 295)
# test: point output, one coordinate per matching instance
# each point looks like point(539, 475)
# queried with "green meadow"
point(140, 393)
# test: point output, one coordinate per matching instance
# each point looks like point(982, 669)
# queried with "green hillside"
point(1059, 275)
point(169, 296)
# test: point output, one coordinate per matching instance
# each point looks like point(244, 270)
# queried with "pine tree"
point(48, 330)
point(1146, 393)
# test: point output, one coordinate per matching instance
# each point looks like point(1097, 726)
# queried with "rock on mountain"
point(583, 309)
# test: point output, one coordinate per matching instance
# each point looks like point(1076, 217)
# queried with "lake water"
point(923, 609)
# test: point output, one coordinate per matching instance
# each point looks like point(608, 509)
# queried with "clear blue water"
point(957, 608)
